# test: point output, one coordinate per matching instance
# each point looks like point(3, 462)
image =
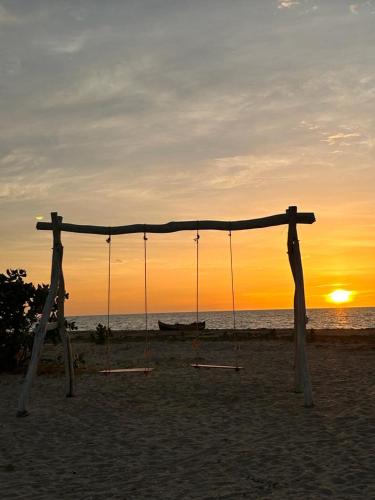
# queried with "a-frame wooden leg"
point(64, 335)
point(302, 374)
point(39, 337)
point(298, 382)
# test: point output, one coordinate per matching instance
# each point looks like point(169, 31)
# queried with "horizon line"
point(217, 311)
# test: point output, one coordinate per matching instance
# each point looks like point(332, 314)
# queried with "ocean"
point(353, 317)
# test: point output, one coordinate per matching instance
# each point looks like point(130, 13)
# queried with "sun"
point(340, 296)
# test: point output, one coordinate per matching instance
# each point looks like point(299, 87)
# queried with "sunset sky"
point(121, 112)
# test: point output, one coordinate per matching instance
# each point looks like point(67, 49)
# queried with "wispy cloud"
point(13, 191)
point(341, 138)
point(309, 125)
point(367, 6)
point(237, 171)
point(6, 17)
point(287, 4)
point(20, 162)
point(70, 45)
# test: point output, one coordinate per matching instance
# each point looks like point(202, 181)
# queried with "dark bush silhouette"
point(21, 304)
point(101, 334)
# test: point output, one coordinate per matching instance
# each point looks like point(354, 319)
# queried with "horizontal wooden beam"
point(171, 227)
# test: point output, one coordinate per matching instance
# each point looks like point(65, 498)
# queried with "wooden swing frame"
point(291, 218)
point(220, 367)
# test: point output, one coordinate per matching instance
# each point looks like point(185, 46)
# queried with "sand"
point(182, 433)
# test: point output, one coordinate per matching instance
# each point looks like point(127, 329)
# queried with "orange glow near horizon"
point(262, 276)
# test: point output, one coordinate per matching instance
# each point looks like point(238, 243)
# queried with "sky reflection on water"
point(354, 317)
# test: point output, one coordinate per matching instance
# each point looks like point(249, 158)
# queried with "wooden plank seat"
point(127, 370)
point(222, 367)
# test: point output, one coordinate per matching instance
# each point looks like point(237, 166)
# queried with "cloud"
point(20, 161)
point(12, 191)
point(363, 5)
point(309, 125)
point(7, 18)
point(68, 46)
point(92, 88)
point(157, 100)
point(237, 171)
point(340, 138)
point(287, 4)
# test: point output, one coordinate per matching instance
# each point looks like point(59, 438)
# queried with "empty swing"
point(146, 370)
point(235, 367)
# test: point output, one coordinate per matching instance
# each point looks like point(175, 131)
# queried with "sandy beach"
point(182, 433)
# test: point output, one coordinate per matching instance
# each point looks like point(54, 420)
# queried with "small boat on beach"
point(200, 325)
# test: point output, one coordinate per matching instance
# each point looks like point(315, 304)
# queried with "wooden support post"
point(298, 385)
point(64, 335)
point(40, 334)
point(301, 370)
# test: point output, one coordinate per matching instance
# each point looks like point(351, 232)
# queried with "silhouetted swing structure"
point(291, 218)
point(235, 367)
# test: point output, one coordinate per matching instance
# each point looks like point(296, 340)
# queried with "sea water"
point(353, 317)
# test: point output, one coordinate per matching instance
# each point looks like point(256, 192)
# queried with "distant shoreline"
point(319, 319)
point(347, 335)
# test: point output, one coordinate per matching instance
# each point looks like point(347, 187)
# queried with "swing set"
point(57, 291)
point(147, 369)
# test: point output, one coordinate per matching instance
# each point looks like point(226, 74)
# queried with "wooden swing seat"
point(127, 370)
point(222, 367)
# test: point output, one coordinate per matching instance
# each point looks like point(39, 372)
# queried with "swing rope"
point(232, 279)
point(196, 239)
point(107, 343)
point(237, 346)
point(147, 346)
point(145, 279)
point(195, 342)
